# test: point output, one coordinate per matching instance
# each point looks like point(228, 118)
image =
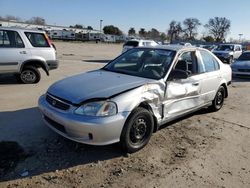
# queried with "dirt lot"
point(202, 150)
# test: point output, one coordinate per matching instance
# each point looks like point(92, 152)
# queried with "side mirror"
point(177, 74)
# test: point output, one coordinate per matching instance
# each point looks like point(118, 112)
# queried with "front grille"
point(57, 103)
point(54, 124)
point(244, 70)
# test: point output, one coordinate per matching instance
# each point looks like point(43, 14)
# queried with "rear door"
point(212, 74)
point(40, 46)
point(184, 95)
point(12, 51)
point(237, 51)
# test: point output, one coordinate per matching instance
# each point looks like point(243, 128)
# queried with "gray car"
point(132, 96)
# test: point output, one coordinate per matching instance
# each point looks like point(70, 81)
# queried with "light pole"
point(240, 36)
point(101, 26)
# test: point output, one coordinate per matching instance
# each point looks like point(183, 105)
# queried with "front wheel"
point(219, 99)
point(137, 130)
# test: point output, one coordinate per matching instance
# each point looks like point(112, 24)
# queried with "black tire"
point(219, 99)
point(137, 130)
point(230, 60)
point(30, 75)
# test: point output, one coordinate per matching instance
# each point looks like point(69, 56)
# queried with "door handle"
point(195, 83)
point(23, 52)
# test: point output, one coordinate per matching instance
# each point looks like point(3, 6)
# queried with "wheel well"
point(226, 91)
point(146, 106)
point(37, 64)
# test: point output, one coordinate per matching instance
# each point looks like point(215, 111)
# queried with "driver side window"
point(187, 62)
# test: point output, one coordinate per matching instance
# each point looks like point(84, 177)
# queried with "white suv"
point(23, 51)
point(138, 43)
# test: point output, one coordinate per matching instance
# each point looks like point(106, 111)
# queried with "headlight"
point(98, 108)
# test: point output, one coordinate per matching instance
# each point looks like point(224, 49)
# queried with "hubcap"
point(28, 76)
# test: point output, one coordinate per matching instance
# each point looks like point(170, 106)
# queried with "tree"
point(218, 27)
point(174, 31)
point(131, 31)
point(163, 37)
point(190, 27)
point(142, 32)
point(153, 34)
point(90, 28)
point(10, 18)
point(112, 30)
point(77, 26)
point(36, 20)
point(208, 39)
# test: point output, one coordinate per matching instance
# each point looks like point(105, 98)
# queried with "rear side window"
point(132, 43)
point(10, 39)
point(209, 62)
point(37, 39)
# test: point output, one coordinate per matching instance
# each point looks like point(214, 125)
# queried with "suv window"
point(237, 48)
point(37, 39)
point(210, 63)
point(10, 39)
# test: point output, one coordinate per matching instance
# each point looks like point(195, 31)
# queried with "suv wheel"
point(137, 130)
point(30, 75)
point(230, 61)
point(219, 99)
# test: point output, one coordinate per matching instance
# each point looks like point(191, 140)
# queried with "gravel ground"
point(201, 150)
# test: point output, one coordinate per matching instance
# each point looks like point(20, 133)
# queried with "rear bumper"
point(52, 64)
point(239, 73)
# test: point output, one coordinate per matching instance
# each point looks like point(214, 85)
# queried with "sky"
point(132, 13)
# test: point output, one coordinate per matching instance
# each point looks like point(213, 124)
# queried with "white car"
point(132, 96)
point(23, 51)
point(138, 43)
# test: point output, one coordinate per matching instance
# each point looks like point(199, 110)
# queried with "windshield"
point(146, 63)
point(245, 57)
point(225, 48)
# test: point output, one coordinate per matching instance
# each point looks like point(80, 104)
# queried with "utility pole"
point(240, 37)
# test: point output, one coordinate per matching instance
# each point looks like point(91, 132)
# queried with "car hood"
point(241, 64)
point(94, 84)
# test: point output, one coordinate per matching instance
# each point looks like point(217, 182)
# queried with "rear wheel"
point(30, 75)
point(137, 130)
point(230, 61)
point(219, 99)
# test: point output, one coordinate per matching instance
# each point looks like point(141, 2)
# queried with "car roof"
point(140, 40)
point(21, 29)
point(172, 47)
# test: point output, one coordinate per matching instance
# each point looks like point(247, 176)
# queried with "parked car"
point(228, 52)
point(132, 96)
point(138, 43)
point(241, 67)
point(23, 51)
point(210, 47)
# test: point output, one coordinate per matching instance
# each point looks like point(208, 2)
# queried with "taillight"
point(48, 40)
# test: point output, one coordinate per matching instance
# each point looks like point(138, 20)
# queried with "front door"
point(184, 95)
point(12, 51)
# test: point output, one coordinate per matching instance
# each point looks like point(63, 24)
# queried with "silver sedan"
point(132, 96)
